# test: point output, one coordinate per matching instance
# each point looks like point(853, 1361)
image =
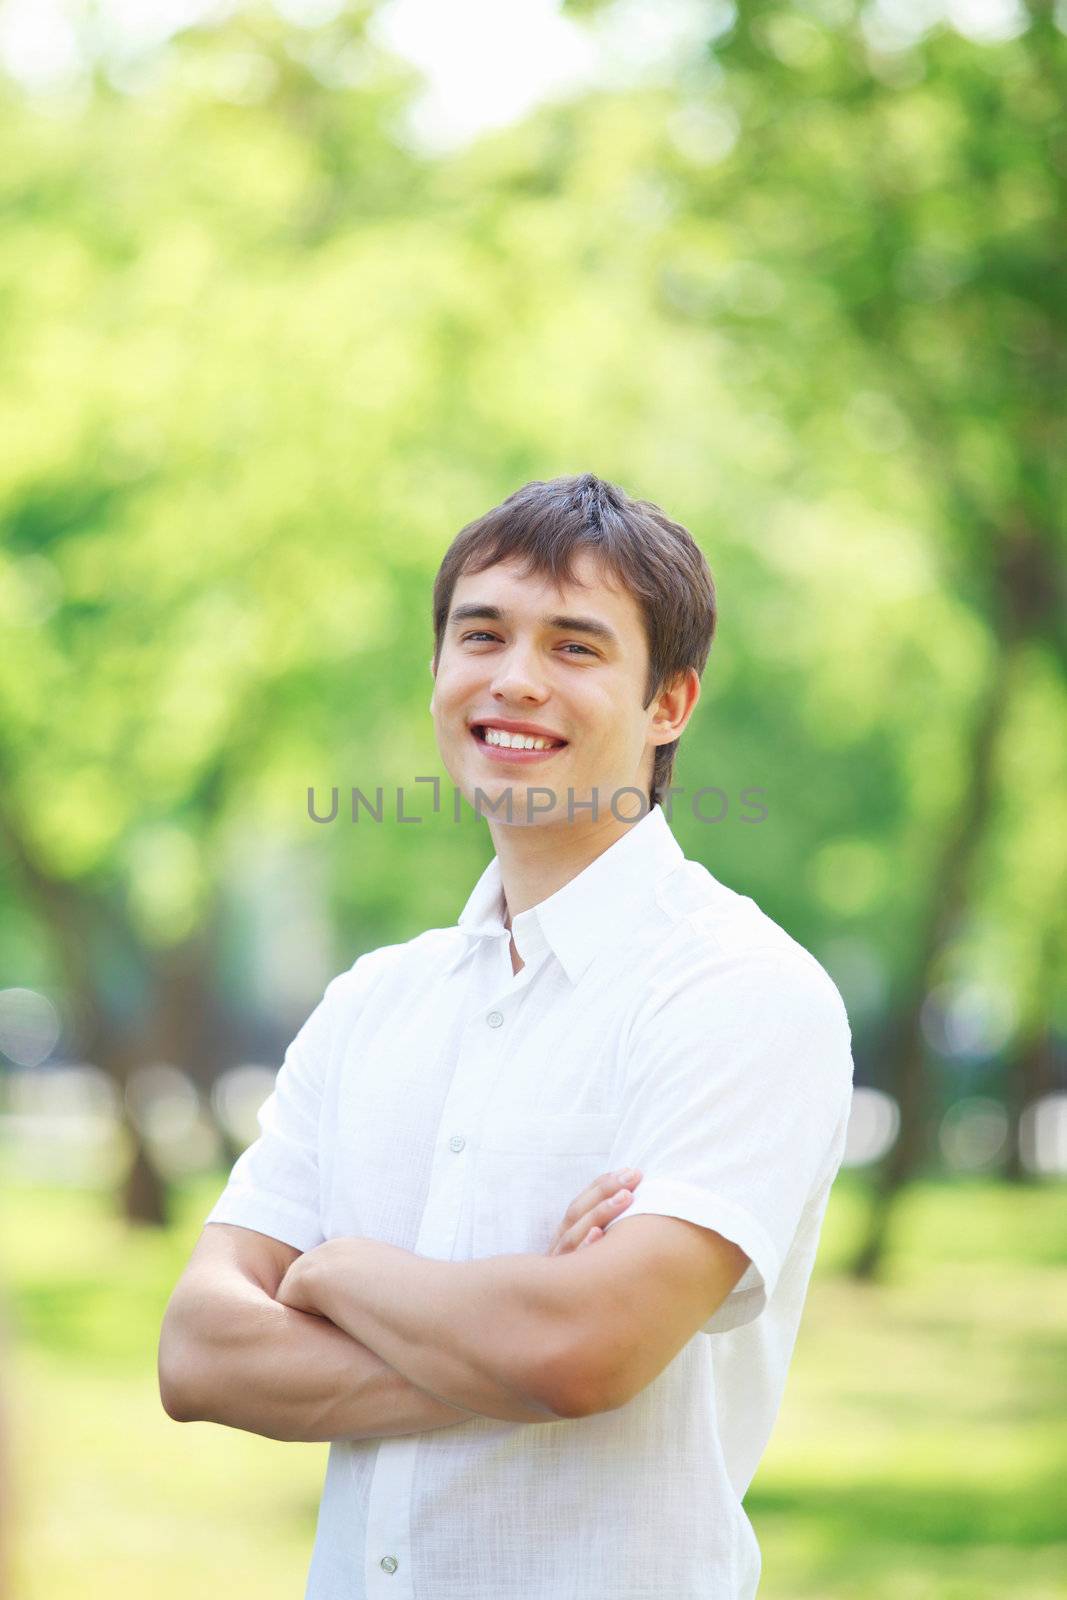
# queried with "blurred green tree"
point(263, 360)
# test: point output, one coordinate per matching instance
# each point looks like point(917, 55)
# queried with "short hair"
point(547, 524)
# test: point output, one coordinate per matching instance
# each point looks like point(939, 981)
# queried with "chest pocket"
point(530, 1167)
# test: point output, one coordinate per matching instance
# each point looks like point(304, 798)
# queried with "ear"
point(674, 706)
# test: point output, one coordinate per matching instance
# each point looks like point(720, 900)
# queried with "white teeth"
point(516, 741)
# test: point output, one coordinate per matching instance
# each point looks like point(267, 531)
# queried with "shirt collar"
point(593, 910)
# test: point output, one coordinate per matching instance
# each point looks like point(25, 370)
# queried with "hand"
point(586, 1217)
point(294, 1290)
point(287, 1291)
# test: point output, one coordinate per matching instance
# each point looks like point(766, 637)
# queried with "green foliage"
point(263, 361)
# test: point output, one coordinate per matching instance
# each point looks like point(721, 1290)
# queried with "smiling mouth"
point(478, 732)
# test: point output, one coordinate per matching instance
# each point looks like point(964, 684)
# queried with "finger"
point(591, 1237)
point(583, 1211)
point(600, 1189)
point(597, 1218)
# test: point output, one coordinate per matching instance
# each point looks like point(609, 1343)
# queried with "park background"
point(291, 293)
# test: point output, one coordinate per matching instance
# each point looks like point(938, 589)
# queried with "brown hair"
point(656, 559)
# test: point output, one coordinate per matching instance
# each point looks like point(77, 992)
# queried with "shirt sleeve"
point(273, 1186)
point(739, 1082)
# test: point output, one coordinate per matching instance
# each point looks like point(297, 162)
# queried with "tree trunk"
point(904, 1050)
point(1022, 598)
point(1033, 1074)
point(83, 927)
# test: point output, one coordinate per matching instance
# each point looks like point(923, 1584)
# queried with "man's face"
point(529, 664)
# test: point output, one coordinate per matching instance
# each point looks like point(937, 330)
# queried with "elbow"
point(175, 1395)
point(174, 1405)
point(571, 1403)
point(581, 1397)
point(572, 1386)
point(178, 1373)
point(597, 1377)
point(578, 1371)
point(179, 1395)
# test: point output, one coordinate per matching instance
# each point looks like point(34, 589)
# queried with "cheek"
point(453, 691)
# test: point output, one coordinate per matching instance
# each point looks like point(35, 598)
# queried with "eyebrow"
point(475, 611)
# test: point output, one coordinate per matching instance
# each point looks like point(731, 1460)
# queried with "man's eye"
point(480, 635)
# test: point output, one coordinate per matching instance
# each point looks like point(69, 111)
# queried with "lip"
point(508, 725)
point(494, 752)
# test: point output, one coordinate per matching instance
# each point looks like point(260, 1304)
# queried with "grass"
point(919, 1453)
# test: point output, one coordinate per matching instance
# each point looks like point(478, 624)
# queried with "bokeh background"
point(289, 294)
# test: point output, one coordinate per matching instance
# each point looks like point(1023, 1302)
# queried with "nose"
point(517, 676)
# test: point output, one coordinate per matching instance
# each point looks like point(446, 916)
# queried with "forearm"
point(268, 1369)
point(488, 1335)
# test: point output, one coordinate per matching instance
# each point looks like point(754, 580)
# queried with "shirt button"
point(494, 1019)
point(456, 1142)
point(388, 1563)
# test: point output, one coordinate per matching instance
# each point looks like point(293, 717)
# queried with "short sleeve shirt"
point(440, 1102)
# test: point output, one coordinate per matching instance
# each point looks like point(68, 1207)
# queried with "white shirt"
point(437, 1100)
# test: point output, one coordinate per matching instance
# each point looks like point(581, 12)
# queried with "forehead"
point(596, 592)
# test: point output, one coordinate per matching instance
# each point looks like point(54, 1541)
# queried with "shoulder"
point(713, 936)
point(722, 967)
point(391, 964)
point(374, 984)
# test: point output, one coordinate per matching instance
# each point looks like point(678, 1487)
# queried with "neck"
point(536, 861)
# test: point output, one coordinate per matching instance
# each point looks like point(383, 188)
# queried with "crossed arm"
point(360, 1339)
point(495, 1336)
point(230, 1352)
point(553, 1336)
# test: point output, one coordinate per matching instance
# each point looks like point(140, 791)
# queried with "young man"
point(394, 1265)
